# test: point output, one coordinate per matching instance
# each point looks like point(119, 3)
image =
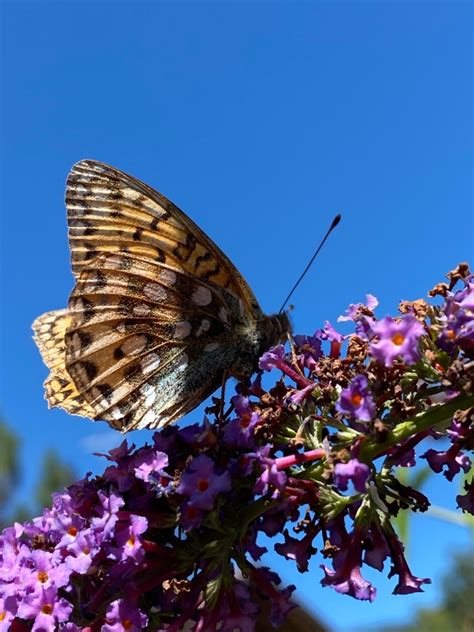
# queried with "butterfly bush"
point(168, 537)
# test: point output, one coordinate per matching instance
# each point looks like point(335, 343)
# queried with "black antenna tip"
point(336, 221)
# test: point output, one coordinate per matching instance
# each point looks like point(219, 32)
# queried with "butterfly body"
point(158, 314)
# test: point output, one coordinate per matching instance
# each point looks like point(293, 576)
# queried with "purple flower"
point(376, 549)
point(298, 550)
point(466, 501)
point(271, 479)
point(349, 582)
point(129, 541)
point(124, 616)
point(308, 350)
point(407, 582)
point(201, 484)
point(190, 517)
point(356, 309)
point(356, 400)
point(8, 610)
point(459, 318)
point(272, 358)
point(453, 459)
point(46, 608)
point(110, 505)
point(43, 572)
point(81, 551)
point(151, 462)
point(298, 397)
point(396, 337)
point(353, 470)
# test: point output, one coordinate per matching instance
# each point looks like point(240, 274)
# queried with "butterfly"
point(158, 317)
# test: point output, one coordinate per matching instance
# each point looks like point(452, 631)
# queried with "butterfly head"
point(254, 341)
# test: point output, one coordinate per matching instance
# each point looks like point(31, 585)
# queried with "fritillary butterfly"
point(158, 315)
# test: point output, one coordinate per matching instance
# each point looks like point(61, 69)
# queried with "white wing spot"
point(134, 345)
point(212, 346)
point(201, 296)
point(115, 413)
point(183, 363)
point(224, 315)
point(141, 310)
point(182, 329)
point(168, 276)
point(203, 327)
point(155, 292)
point(150, 363)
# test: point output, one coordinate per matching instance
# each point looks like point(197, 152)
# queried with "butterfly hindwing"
point(140, 330)
point(50, 330)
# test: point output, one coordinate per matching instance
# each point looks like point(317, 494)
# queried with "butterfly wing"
point(110, 212)
point(50, 330)
point(158, 314)
point(148, 343)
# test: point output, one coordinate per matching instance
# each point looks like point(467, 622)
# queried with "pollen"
point(2, 616)
point(72, 531)
point(43, 577)
point(131, 540)
point(127, 624)
point(47, 609)
point(398, 339)
point(451, 334)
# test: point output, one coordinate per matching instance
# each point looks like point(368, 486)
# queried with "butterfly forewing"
point(110, 211)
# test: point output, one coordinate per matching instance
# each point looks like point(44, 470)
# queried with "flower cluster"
point(167, 538)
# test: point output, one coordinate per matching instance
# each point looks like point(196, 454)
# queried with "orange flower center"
point(451, 334)
point(202, 485)
point(2, 615)
point(43, 576)
point(72, 531)
point(357, 399)
point(131, 540)
point(47, 608)
point(127, 624)
point(86, 550)
point(398, 339)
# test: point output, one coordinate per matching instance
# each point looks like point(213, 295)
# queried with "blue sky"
point(261, 121)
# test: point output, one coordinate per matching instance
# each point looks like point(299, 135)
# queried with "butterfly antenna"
point(334, 223)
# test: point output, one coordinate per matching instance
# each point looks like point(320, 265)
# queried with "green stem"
point(406, 429)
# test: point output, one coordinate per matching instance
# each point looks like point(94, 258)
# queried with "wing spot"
point(134, 345)
point(202, 296)
point(141, 310)
point(203, 327)
point(182, 329)
point(183, 363)
point(137, 235)
point(168, 276)
point(150, 363)
point(224, 315)
point(155, 292)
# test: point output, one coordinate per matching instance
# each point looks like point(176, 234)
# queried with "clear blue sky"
point(261, 120)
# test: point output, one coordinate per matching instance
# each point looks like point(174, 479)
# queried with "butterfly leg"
point(225, 377)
